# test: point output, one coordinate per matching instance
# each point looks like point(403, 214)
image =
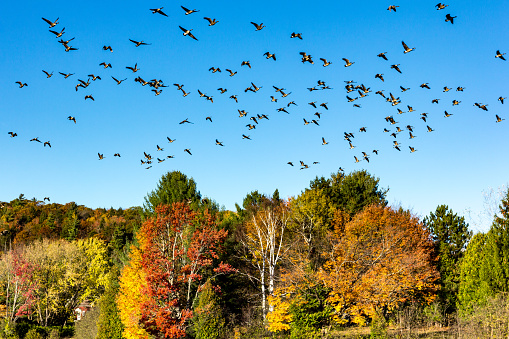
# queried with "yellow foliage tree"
point(376, 261)
point(131, 296)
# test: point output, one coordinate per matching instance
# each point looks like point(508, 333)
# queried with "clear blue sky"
point(464, 155)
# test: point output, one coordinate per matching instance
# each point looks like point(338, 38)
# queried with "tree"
point(377, 261)
point(172, 187)
point(109, 322)
point(450, 236)
point(352, 192)
point(265, 244)
point(208, 317)
point(178, 246)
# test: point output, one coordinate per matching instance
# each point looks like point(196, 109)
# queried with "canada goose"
point(270, 55)
point(250, 126)
point(157, 92)
point(212, 22)
point(382, 55)
point(291, 103)
point(440, 6)
point(222, 90)
point(232, 73)
point(185, 121)
point(498, 118)
point(105, 65)
point(71, 118)
point(13, 134)
point(255, 88)
point(234, 97)
point(455, 102)
point(375, 151)
point(34, 139)
point(380, 93)
point(189, 11)
point(94, 78)
point(273, 99)
point(312, 104)
point(116, 155)
point(138, 43)
point(170, 140)
point(246, 137)
point(501, 99)
point(296, 35)
point(324, 142)
point(118, 81)
point(412, 149)
point(214, 70)
point(429, 128)
point(209, 119)
point(325, 62)
point(246, 63)
point(306, 57)
point(500, 55)
point(66, 75)
point(460, 89)
point(219, 143)
point(48, 75)
point(407, 49)
point(392, 7)
point(348, 63)
point(51, 24)
point(89, 97)
point(282, 109)
point(58, 34)
point(356, 160)
point(411, 135)
point(134, 69)
point(446, 89)
point(184, 93)
point(434, 101)
point(258, 27)
point(158, 10)
point(403, 89)
point(65, 42)
point(425, 85)
point(160, 160)
point(324, 105)
point(396, 67)
point(410, 109)
point(447, 114)
point(450, 18)
point(188, 150)
point(379, 76)
point(21, 84)
point(290, 163)
point(188, 32)
point(70, 48)
point(47, 143)
point(159, 148)
point(170, 156)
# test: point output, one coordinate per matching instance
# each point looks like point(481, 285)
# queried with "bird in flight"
point(396, 67)
point(325, 62)
point(66, 75)
point(348, 63)
point(498, 118)
point(450, 18)
point(219, 143)
point(118, 81)
point(89, 97)
point(34, 139)
point(138, 43)
point(13, 134)
point(382, 55)
point(212, 22)
point(189, 11)
point(48, 75)
point(51, 24)
point(134, 69)
point(440, 6)
point(188, 32)
point(392, 7)
point(258, 27)
point(105, 65)
point(324, 142)
point(170, 140)
point(407, 49)
point(501, 99)
point(58, 34)
point(21, 84)
point(500, 55)
point(71, 118)
point(158, 10)
point(379, 76)
point(101, 156)
point(94, 78)
point(296, 35)
point(232, 73)
point(270, 55)
point(188, 150)
point(47, 143)
point(107, 48)
point(185, 121)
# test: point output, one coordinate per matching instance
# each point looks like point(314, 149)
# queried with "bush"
point(33, 334)
point(208, 320)
point(488, 320)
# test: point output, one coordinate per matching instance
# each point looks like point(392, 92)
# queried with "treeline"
point(334, 257)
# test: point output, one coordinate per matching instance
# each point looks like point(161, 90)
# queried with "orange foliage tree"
point(177, 246)
point(378, 260)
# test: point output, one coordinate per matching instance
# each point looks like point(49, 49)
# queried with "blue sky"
point(454, 164)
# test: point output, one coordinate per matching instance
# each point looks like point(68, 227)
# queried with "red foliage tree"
point(177, 245)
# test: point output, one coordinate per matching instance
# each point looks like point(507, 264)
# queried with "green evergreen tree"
point(450, 236)
point(172, 187)
point(208, 317)
point(352, 192)
point(109, 323)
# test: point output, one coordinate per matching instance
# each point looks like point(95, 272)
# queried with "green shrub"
point(208, 321)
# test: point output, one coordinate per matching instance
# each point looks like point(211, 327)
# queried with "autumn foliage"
point(178, 247)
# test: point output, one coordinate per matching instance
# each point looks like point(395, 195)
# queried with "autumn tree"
point(265, 243)
point(378, 260)
point(178, 247)
point(450, 236)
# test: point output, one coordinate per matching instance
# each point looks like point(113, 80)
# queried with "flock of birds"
point(354, 92)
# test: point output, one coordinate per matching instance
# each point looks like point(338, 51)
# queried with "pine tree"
point(208, 318)
point(450, 236)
